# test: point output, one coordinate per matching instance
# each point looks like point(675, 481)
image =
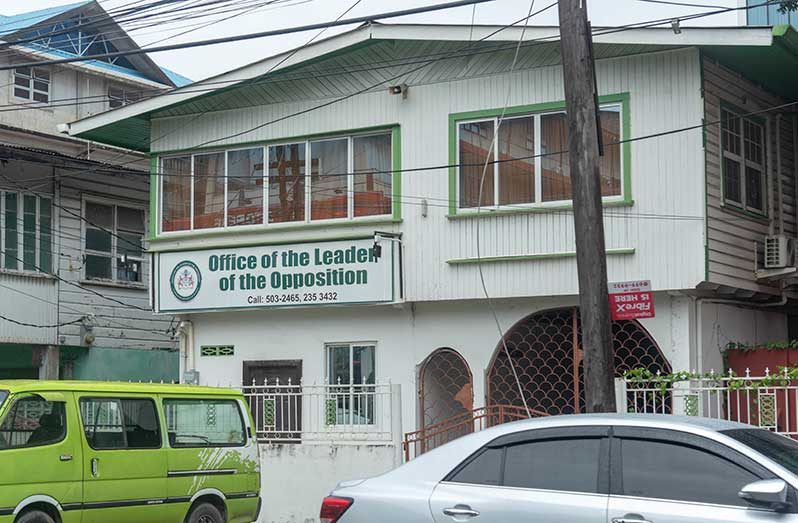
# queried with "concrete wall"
point(118, 364)
point(295, 478)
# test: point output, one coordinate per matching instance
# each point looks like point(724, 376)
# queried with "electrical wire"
point(39, 326)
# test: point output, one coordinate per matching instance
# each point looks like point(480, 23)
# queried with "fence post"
point(621, 399)
point(396, 422)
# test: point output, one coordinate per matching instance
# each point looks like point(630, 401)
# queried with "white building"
point(73, 212)
point(278, 190)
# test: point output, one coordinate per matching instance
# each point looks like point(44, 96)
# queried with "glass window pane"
point(754, 185)
point(142, 429)
point(41, 86)
point(517, 178)
point(21, 93)
point(33, 422)
point(98, 267)
point(287, 183)
point(97, 240)
point(130, 219)
point(339, 364)
point(41, 74)
point(129, 270)
point(103, 423)
point(245, 187)
point(23, 71)
point(176, 197)
point(783, 451)
point(45, 234)
point(555, 157)
point(22, 81)
point(654, 469)
point(610, 163)
point(731, 133)
point(328, 179)
point(485, 469)
point(363, 364)
point(40, 97)
point(11, 236)
point(732, 181)
point(475, 141)
point(29, 233)
point(129, 244)
point(373, 177)
point(100, 215)
point(204, 423)
point(754, 142)
point(540, 465)
point(208, 191)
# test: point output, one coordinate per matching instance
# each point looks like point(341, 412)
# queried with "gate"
point(445, 387)
point(546, 350)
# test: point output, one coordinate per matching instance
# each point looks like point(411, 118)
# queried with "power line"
point(39, 326)
point(250, 36)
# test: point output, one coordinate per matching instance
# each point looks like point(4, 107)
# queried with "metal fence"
point(322, 413)
point(769, 401)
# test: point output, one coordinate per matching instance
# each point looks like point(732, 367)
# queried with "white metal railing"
point(769, 401)
point(322, 413)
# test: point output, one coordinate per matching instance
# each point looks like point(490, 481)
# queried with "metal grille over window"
point(32, 83)
point(114, 238)
point(119, 96)
point(26, 233)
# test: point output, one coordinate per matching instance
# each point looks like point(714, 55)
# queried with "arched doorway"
point(546, 350)
point(445, 387)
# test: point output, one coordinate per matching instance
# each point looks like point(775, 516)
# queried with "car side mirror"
point(768, 493)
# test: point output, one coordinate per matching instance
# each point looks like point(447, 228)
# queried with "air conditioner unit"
point(776, 251)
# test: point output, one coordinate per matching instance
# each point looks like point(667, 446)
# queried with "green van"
point(91, 452)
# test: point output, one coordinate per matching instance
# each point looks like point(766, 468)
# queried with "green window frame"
point(109, 246)
point(26, 232)
point(743, 154)
point(536, 113)
point(389, 208)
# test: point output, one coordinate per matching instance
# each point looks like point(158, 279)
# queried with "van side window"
point(120, 423)
point(33, 422)
point(204, 423)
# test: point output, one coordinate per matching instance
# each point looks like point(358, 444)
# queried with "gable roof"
point(763, 52)
point(56, 23)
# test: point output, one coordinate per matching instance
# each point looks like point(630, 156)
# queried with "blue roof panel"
point(178, 79)
point(12, 24)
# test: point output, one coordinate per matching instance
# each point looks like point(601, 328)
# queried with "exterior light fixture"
point(399, 89)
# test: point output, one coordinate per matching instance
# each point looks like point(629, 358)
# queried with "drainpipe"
point(185, 329)
point(778, 173)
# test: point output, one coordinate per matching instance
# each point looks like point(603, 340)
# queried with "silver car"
point(587, 469)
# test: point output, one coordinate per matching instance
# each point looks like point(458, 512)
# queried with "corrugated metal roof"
point(12, 24)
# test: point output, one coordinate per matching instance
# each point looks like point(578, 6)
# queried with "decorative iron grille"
point(446, 387)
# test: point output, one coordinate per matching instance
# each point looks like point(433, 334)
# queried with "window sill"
point(623, 251)
point(115, 284)
point(282, 228)
point(28, 274)
point(739, 211)
point(466, 214)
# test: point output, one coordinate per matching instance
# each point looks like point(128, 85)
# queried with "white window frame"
point(344, 427)
point(308, 184)
point(30, 87)
point(129, 95)
point(21, 233)
point(744, 162)
point(114, 255)
point(538, 203)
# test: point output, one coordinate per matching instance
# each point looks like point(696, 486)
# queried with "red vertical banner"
point(631, 300)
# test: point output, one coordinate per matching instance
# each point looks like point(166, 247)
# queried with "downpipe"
point(185, 330)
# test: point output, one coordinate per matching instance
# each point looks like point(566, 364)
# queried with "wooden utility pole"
point(591, 260)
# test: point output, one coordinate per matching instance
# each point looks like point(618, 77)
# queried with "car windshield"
point(780, 449)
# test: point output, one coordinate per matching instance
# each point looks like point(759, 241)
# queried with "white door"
point(550, 476)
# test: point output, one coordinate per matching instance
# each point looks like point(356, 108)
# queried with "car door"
point(124, 459)
point(546, 475)
point(665, 476)
point(40, 453)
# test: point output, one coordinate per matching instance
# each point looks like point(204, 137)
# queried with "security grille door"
point(274, 393)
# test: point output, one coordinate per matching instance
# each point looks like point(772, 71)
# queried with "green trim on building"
point(469, 214)
point(396, 178)
point(454, 118)
point(625, 251)
point(206, 246)
point(154, 185)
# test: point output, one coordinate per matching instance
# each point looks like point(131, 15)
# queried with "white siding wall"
point(665, 225)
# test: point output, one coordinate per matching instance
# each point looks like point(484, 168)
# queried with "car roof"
point(15, 386)
point(643, 420)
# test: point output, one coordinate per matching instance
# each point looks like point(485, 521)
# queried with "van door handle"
point(94, 462)
point(65, 457)
point(631, 518)
point(461, 511)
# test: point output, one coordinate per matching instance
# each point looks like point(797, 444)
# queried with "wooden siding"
point(731, 235)
point(664, 226)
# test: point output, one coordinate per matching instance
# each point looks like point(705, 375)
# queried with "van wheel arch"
point(46, 508)
point(211, 499)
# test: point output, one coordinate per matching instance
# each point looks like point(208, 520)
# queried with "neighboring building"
point(73, 213)
point(315, 226)
point(765, 12)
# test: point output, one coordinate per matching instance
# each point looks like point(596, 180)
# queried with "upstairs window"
point(528, 162)
point(339, 178)
point(119, 96)
point(113, 243)
point(26, 235)
point(32, 83)
point(743, 161)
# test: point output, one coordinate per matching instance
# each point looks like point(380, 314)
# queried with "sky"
point(198, 63)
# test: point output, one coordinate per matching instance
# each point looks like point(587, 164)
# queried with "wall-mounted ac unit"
point(776, 251)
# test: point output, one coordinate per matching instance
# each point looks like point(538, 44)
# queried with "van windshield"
point(3, 396)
